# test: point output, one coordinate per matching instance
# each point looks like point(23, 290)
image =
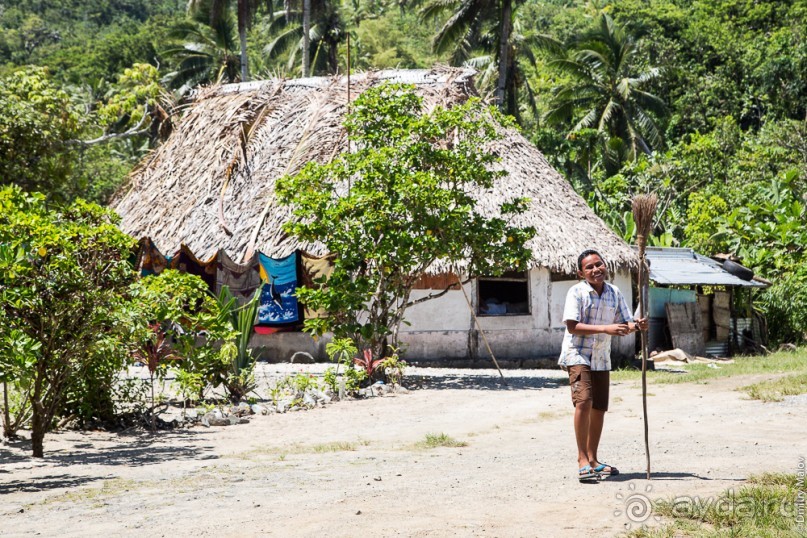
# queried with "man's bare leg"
point(582, 428)
point(595, 423)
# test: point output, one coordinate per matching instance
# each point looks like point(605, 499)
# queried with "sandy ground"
point(515, 477)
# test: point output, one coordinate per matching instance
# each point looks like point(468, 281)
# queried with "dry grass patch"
point(93, 495)
point(436, 440)
point(282, 452)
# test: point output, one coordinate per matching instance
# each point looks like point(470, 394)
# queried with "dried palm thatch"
point(211, 184)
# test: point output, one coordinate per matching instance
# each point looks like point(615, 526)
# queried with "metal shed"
point(699, 292)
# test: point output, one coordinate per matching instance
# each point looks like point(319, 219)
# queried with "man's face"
point(594, 270)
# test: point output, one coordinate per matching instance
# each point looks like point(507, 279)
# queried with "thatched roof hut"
point(210, 185)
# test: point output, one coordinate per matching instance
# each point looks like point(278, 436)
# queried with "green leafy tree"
point(389, 41)
point(130, 100)
point(480, 24)
point(89, 56)
point(606, 91)
point(18, 353)
point(208, 53)
point(38, 125)
point(187, 314)
point(246, 10)
point(326, 32)
point(784, 305)
point(64, 274)
point(396, 205)
point(703, 211)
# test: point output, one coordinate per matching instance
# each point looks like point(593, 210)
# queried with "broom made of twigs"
point(644, 207)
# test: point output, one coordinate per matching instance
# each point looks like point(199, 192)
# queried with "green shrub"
point(64, 276)
point(785, 307)
point(200, 331)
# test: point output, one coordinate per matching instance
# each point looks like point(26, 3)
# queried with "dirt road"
point(354, 469)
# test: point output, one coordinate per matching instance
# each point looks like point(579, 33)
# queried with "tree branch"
point(134, 131)
point(435, 295)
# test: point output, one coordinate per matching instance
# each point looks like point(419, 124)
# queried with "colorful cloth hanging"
point(187, 262)
point(278, 300)
point(314, 269)
point(152, 261)
point(242, 280)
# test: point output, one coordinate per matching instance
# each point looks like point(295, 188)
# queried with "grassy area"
point(336, 446)
point(298, 448)
point(92, 495)
point(775, 390)
point(767, 507)
point(794, 362)
point(434, 440)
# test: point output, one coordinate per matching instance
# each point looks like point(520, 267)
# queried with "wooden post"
point(348, 72)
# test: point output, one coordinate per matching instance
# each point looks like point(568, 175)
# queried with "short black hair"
point(585, 254)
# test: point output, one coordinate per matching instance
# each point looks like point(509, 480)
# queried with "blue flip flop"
point(586, 473)
point(606, 469)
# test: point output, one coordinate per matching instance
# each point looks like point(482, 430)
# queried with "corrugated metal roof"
point(405, 76)
point(684, 266)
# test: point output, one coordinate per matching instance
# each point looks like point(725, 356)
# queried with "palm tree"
point(325, 33)
point(517, 89)
point(208, 54)
point(605, 92)
point(218, 9)
point(479, 24)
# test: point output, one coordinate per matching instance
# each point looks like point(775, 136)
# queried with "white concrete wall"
point(444, 328)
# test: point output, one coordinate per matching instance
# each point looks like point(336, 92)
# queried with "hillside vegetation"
point(703, 102)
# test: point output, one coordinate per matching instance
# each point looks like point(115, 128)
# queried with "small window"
point(506, 295)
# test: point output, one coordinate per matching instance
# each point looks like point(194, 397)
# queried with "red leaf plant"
point(367, 362)
point(153, 352)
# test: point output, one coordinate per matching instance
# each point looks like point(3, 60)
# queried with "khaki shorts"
point(588, 386)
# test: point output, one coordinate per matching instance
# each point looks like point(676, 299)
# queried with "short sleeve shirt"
point(584, 305)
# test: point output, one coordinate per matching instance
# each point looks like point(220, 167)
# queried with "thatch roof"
point(210, 185)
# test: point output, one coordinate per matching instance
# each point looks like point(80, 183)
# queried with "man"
point(595, 311)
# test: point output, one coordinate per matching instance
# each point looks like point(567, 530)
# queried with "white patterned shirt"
point(584, 305)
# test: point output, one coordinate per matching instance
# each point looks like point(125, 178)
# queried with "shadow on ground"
point(132, 449)
point(482, 382)
point(624, 477)
point(47, 483)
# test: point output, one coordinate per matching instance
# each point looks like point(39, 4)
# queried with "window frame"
point(506, 277)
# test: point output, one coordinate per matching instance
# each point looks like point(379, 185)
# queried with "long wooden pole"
point(644, 207)
point(478, 326)
point(348, 72)
point(642, 284)
point(306, 38)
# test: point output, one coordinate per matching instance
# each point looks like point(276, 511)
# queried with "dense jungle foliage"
point(701, 101)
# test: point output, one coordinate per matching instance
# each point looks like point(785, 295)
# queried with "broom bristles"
point(644, 207)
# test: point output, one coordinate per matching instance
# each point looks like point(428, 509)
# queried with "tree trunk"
point(505, 30)
point(38, 427)
point(333, 59)
point(242, 35)
point(243, 15)
point(6, 413)
point(153, 418)
point(306, 37)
